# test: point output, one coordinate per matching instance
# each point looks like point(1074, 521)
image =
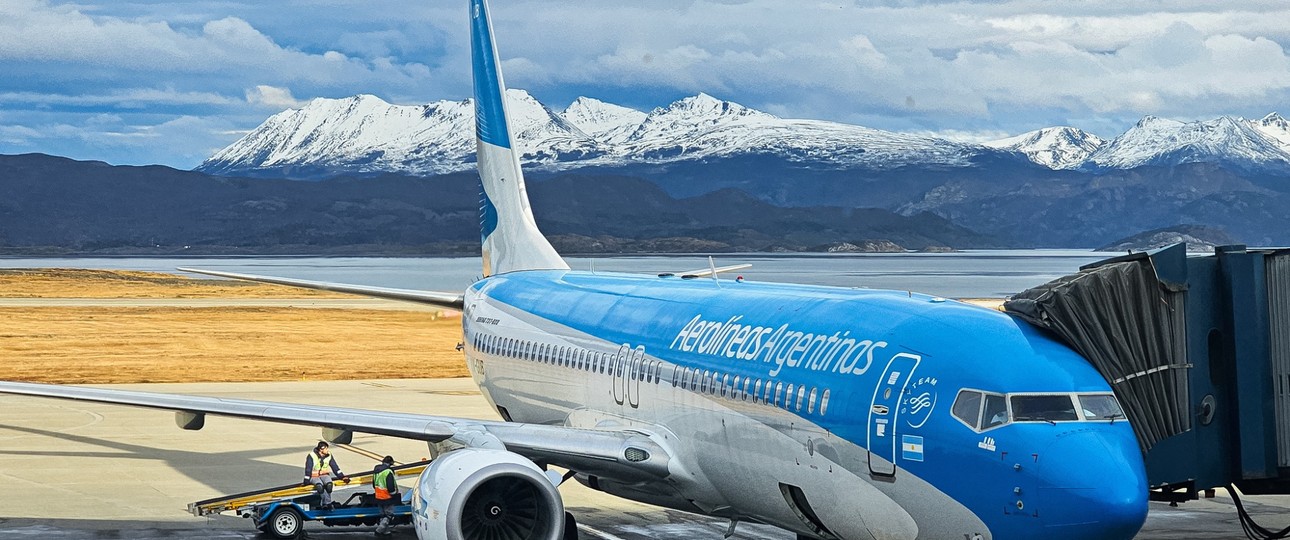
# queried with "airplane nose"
point(1093, 484)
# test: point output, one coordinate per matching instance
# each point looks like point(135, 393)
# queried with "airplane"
point(832, 413)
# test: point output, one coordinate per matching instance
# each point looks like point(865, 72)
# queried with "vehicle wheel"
point(570, 527)
point(285, 522)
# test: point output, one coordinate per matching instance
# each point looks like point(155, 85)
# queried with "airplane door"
point(882, 413)
point(637, 373)
point(619, 371)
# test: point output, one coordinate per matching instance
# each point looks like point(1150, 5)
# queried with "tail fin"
point(511, 239)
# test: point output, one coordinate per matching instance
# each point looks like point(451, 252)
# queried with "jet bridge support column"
point(1243, 280)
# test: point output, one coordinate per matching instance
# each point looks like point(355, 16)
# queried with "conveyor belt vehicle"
point(282, 511)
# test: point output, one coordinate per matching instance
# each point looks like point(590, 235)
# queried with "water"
point(969, 274)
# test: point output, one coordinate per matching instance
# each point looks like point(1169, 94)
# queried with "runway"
point(71, 470)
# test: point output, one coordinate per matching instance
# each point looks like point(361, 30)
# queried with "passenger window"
point(967, 407)
point(747, 385)
point(707, 379)
point(995, 412)
point(801, 395)
point(788, 398)
point(725, 386)
point(779, 392)
point(1043, 408)
point(1100, 407)
point(824, 402)
point(757, 392)
point(734, 392)
point(810, 405)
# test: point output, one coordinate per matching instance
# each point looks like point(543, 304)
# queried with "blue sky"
point(171, 82)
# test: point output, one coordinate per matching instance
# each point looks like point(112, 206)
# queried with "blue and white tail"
point(511, 239)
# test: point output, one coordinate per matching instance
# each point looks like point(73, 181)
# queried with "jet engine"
point(485, 494)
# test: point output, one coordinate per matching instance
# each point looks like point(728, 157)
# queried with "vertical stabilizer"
point(511, 239)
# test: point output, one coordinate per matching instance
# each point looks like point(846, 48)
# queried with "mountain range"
point(365, 135)
point(57, 206)
point(701, 174)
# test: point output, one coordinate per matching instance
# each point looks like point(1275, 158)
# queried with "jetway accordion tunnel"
point(1197, 349)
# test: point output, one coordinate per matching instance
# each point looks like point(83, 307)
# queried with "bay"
point(967, 274)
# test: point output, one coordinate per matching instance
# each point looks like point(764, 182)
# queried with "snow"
point(1057, 148)
point(1155, 141)
point(365, 134)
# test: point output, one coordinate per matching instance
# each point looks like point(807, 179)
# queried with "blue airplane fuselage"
point(842, 398)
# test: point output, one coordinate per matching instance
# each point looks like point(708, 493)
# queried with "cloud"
point(128, 98)
point(906, 65)
point(272, 97)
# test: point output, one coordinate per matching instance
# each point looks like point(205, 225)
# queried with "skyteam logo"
point(919, 402)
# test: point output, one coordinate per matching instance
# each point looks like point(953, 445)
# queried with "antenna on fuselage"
point(712, 265)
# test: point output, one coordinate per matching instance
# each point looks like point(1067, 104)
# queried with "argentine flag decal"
point(911, 447)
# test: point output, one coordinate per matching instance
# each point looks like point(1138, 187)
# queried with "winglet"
point(509, 235)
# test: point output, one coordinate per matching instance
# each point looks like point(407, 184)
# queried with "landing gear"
point(570, 527)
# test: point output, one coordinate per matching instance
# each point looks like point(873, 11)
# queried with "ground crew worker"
point(320, 469)
point(386, 485)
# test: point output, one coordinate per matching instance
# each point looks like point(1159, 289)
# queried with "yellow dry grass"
point(152, 344)
point(78, 283)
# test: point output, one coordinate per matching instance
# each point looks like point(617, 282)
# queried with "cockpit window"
point(967, 407)
point(1044, 408)
point(995, 412)
point(983, 411)
point(1100, 407)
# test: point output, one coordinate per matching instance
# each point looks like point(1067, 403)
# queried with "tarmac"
point(73, 470)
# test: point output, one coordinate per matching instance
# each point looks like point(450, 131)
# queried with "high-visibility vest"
point(381, 484)
point(322, 465)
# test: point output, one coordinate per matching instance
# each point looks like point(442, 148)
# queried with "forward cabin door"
point(618, 369)
point(883, 439)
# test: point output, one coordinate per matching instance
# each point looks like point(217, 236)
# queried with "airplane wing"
point(443, 299)
point(622, 454)
point(707, 272)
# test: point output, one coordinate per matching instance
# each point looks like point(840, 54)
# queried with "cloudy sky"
point(171, 82)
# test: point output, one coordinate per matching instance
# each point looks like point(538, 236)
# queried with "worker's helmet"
point(321, 445)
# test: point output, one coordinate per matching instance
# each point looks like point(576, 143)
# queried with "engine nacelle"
point(481, 494)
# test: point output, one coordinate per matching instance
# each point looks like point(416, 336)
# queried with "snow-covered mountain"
point(1276, 127)
point(1054, 147)
point(1230, 141)
point(364, 134)
point(604, 121)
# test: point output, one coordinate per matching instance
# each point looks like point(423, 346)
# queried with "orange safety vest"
point(381, 484)
point(322, 465)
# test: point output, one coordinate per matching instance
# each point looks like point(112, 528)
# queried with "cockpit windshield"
point(1100, 407)
point(1045, 408)
point(982, 411)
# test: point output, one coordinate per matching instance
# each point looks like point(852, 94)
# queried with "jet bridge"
point(1197, 349)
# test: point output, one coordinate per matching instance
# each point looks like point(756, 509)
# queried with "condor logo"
point(880, 409)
